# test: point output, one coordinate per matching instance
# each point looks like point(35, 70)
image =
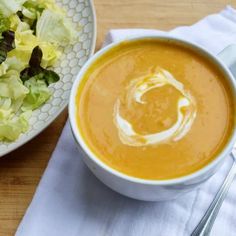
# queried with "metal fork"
point(205, 225)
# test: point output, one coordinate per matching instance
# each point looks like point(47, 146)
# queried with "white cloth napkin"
point(70, 201)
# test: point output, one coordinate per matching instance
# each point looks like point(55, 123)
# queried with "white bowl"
point(142, 189)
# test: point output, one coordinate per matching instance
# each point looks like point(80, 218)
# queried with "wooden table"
point(21, 170)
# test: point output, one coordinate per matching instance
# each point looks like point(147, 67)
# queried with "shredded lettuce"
point(4, 23)
point(12, 94)
point(25, 76)
point(5, 108)
point(11, 86)
point(38, 94)
point(9, 7)
point(14, 63)
point(44, 4)
point(33, 9)
point(26, 42)
point(53, 27)
point(3, 68)
point(50, 54)
point(10, 129)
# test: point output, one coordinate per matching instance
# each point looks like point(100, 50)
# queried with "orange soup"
point(154, 109)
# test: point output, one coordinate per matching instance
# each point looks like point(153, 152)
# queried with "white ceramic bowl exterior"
point(153, 190)
point(82, 14)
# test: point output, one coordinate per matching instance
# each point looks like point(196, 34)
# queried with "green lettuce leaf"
point(32, 9)
point(55, 28)
point(38, 94)
point(11, 86)
point(40, 5)
point(35, 23)
point(5, 108)
point(10, 129)
point(25, 43)
point(11, 63)
point(4, 24)
point(9, 7)
point(14, 63)
point(13, 122)
point(12, 93)
point(3, 68)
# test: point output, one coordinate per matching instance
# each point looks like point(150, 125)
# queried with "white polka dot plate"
point(82, 14)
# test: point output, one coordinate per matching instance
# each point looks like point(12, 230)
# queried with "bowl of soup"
point(154, 116)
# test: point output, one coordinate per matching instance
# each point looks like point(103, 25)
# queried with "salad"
point(31, 35)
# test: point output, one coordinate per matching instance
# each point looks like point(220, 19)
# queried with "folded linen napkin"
point(70, 201)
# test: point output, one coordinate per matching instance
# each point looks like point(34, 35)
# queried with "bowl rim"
point(173, 181)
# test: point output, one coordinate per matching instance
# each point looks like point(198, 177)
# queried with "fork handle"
point(205, 225)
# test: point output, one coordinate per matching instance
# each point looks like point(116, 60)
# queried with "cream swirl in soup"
point(185, 107)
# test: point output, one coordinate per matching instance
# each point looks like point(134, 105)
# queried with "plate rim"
point(62, 108)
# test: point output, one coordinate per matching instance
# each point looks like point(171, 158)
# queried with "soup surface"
point(154, 109)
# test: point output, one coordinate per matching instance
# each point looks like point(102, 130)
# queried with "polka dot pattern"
point(74, 56)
